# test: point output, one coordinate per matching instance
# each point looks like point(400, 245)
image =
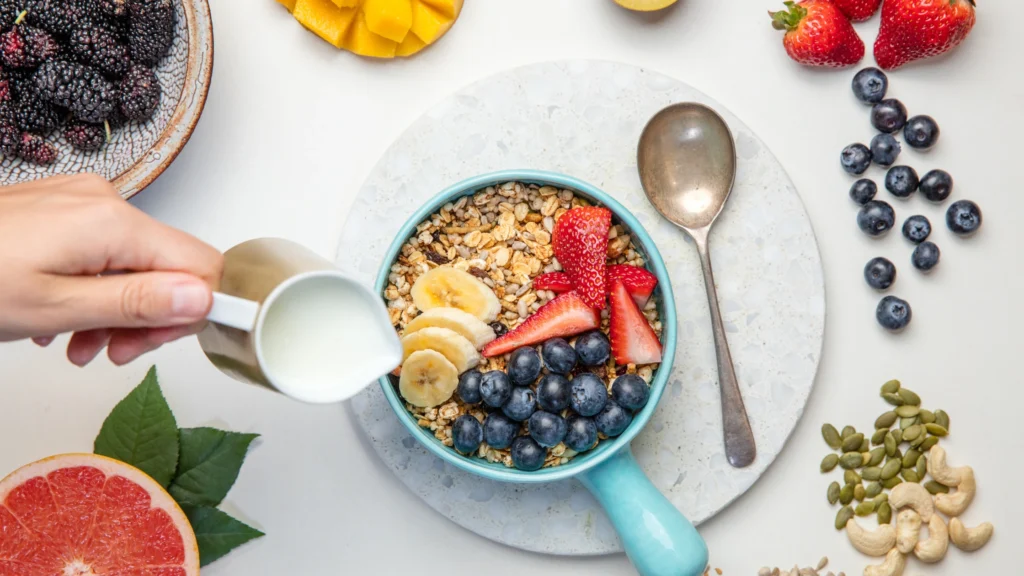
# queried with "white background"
point(291, 129)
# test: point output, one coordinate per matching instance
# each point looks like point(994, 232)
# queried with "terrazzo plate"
point(584, 118)
point(139, 152)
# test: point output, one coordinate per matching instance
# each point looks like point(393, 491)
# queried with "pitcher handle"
point(234, 312)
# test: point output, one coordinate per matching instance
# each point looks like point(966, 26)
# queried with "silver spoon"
point(687, 163)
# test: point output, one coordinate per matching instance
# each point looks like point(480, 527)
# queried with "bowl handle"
point(658, 539)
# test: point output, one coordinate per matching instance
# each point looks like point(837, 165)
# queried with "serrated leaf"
point(217, 533)
point(208, 464)
point(141, 431)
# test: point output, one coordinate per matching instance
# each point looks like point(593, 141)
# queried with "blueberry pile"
point(876, 217)
point(544, 399)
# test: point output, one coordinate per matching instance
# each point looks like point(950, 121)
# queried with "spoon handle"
point(740, 449)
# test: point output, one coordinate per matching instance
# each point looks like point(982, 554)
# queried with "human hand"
point(60, 240)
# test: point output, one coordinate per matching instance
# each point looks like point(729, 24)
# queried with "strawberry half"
point(566, 315)
point(580, 242)
point(633, 340)
point(639, 282)
point(555, 281)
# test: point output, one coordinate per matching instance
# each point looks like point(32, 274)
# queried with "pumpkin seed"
point(907, 411)
point(918, 441)
point(892, 482)
point(871, 473)
point(928, 443)
point(890, 444)
point(910, 458)
point(942, 419)
point(865, 458)
point(872, 489)
point(865, 445)
point(912, 432)
point(859, 492)
point(910, 475)
point(891, 387)
point(851, 477)
point(880, 498)
point(926, 416)
point(886, 420)
point(831, 436)
point(851, 460)
point(922, 466)
point(893, 399)
point(846, 494)
point(877, 455)
point(833, 493)
point(898, 455)
point(936, 430)
point(934, 487)
point(828, 463)
point(847, 432)
point(898, 436)
point(865, 508)
point(879, 436)
point(891, 469)
point(884, 513)
point(909, 397)
point(907, 422)
point(843, 516)
point(852, 442)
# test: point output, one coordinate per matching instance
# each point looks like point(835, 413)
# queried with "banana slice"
point(427, 379)
point(454, 346)
point(447, 287)
point(456, 320)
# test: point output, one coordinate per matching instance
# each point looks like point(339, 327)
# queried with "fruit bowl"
point(138, 153)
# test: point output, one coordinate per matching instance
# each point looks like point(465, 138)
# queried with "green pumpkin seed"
point(851, 477)
point(872, 489)
point(936, 430)
point(828, 463)
point(877, 455)
point(865, 508)
point(846, 494)
point(907, 422)
point(909, 397)
point(851, 460)
point(926, 416)
point(865, 458)
point(833, 493)
point(831, 436)
point(847, 432)
point(893, 399)
point(871, 473)
point(907, 411)
point(852, 442)
point(880, 498)
point(865, 445)
point(897, 456)
point(910, 475)
point(879, 436)
point(912, 432)
point(922, 466)
point(898, 436)
point(891, 469)
point(910, 458)
point(918, 441)
point(886, 420)
point(934, 487)
point(890, 444)
point(892, 482)
point(928, 443)
point(942, 419)
point(891, 387)
point(859, 492)
point(843, 516)
point(884, 513)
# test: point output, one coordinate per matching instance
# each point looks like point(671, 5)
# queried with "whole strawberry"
point(818, 34)
point(915, 29)
point(858, 10)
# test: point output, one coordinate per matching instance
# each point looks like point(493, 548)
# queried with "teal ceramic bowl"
point(657, 538)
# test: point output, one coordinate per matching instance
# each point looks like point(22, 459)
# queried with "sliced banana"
point(456, 320)
point(454, 346)
point(428, 379)
point(447, 287)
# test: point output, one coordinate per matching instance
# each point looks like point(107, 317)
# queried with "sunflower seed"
point(884, 513)
point(828, 463)
point(833, 492)
point(844, 515)
point(936, 430)
point(886, 420)
point(831, 436)
point(907, 411)
point(909, 397)
point(821, 563)
point(934, 487)
point(891, 387)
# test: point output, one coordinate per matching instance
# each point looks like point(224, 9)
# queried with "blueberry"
point(869, 85)
point(936, 185)
point(901, 181)
point(863, 191)
point(884, 149)
point(527, 454)
point(917, 228)
point(559, 357)
point(876, 218)
point(921, 132)
point(581, 434)
point(495, 388)
point(893, 313)
point(589, 394)
point(888, 115)
point(963, 217)
point(524, 366)
point(553, 392)
point(547, 429)
point(879, 273)
point(467, 434)
point(855, 158)
point(469, 386)
point(925, 256)
point(520, 404)
point(499, 329)
point(593, 348)
point(499, 430)
point(630, 391)
point(613, 420)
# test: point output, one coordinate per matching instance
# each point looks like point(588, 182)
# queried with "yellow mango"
point(427, 23)
point(289, 4)
point(449, 8)
point(327, 20)
point(361, 40)
point(347, 3)
point(388, 18)
point(411, 45)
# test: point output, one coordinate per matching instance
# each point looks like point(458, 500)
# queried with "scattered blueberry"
point(921, 132)
point(589, 394)
point(499, 430)
point(876, 218)
point(855, 158)
point(581, 434)
point(526, 454)
point(963, 217)
point(499, 329)
point(469, 386)
point(495, 388)
point(917, 228)
point(863, 191)
point(593, 348)
point(553, 392)
point(524, 366)
point(879, 273)
point(630, 391)
point(888, 115)
point(613, 420)
point(547, 429)
point(936, 185)
point(559, 356)
point(869, 85)
point(925, 256)
point(521, 404)
point(884, 149)
point(901, 181)
point(467, 434)
point(893, 313)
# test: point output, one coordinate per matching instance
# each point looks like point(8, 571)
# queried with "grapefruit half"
point(88, 515)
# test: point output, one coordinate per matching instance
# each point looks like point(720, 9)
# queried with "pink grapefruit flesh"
point(88, 515)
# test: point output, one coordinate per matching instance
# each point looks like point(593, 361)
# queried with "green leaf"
point(208, 464)
point(141, 431)
point(217, 533)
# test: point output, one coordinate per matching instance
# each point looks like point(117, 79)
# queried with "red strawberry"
point(555, 281)
point(858, 10)
point(914, 29)
point(818, 34)
point(566, 315)
point(639, 282)
point(580, 242)
point(633, 340)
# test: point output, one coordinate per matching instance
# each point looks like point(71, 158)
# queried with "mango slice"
point(645, 5)
point(450, 8)
point(325, 19)
point(389, 18)
point(427, 23)
point(411, 45)
point(289, 4)
point(361, 40)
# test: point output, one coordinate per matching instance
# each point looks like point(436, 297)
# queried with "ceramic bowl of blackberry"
point(112, 87)
point(655, 535)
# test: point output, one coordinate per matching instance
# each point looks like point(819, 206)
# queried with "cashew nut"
point(954, 504)
point(908, 529)
point(934, 548)
point(940, 471)
point(894, 564)
point(872, 543)
point(912, 495)
point(969, 539)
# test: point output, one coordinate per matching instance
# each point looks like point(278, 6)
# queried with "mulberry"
point(97, 45)
point(87, 137)
point(10, 136)
point(9, 10)
point(27, 47)
point(84, 91)
point(116, 8)
point(139, 93)
point(33, 148)
point(36, 116)
point(150, 29)
point(59, 17)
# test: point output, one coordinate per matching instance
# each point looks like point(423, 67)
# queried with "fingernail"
point(43, 341)
point(190, 301)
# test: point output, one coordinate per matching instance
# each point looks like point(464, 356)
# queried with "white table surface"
point(291, 129)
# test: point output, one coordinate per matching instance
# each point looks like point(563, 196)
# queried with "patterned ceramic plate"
point(138, 153)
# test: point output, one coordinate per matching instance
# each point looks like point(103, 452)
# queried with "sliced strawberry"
point(633, 339)
point(566, 315)
point(555, 281)
point(580, 242)
point(640, 282)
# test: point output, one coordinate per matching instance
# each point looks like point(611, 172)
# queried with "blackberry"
point(82, 90)
point(150, 29)
point(10, 136)
point(58, 17)
point(36, 116)
point(27, 47)
point(98, 45)
point(33, 148)
point(139, 93)
point(87, 137)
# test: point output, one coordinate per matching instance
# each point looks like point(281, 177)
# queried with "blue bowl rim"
point(606, 448)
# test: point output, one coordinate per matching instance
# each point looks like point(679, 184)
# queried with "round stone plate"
point(584, 118)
